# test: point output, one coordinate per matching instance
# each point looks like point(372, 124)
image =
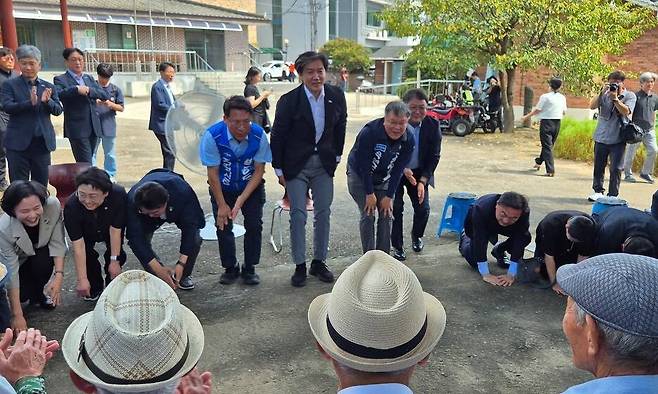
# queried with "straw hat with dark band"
point(377, 317)
point(138, 337)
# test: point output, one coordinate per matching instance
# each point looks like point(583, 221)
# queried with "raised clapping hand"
point(27, 357)
point(195, 383)
point(34, 99)
point(45, 96)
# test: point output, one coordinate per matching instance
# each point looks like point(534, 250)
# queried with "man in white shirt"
point(550, 110)
point(404, 324)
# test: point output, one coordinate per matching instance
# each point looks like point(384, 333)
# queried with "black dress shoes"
point(399, 254)
point(319, 269)
point(299, 277)
point(417, 245)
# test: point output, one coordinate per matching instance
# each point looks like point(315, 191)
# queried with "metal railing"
point(378, 95)
point(144, 61)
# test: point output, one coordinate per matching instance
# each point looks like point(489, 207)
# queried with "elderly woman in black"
point(32, 246)
point(258, 102)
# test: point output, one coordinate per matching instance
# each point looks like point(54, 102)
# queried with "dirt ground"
point(497, 340)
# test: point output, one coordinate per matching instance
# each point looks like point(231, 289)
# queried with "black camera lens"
point(614, 87)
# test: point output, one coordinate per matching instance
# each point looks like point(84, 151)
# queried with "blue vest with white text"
point(235, 172)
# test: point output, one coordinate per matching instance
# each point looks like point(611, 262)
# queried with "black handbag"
point(630, 132)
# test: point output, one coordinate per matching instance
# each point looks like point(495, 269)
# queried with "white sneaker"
point(595, 197)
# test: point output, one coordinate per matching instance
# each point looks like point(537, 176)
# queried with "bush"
point(575, 143)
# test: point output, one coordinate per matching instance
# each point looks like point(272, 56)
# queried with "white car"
point(274, 70)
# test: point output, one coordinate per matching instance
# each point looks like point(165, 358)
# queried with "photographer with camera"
point(645, 117)
point(615, 104)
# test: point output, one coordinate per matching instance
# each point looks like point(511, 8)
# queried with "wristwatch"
point(114, 258)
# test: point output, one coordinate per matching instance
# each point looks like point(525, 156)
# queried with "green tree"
point(572, 38)
point(347, 53)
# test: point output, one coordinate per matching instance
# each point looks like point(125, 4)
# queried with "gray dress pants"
point(314, 177)
point(367, 222)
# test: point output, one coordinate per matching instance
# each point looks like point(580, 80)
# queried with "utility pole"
point(313, 5)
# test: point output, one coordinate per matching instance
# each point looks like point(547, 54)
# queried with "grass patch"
point(575, 143)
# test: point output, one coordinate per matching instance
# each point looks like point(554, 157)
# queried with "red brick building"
point(640, 56)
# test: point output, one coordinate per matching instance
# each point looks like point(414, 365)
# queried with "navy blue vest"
point(235, 172)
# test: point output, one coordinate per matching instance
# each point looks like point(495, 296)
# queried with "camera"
point(614, 87)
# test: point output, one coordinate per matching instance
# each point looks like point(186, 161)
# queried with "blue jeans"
point(110, 159)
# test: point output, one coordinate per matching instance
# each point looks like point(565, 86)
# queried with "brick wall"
point(235, 44)
point(641, 55)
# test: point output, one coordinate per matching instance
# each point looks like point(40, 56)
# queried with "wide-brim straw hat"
point(377, 317)
point(138, 337)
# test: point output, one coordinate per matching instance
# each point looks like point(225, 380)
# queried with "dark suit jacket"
point(183, 209)
point(160, 105)
point(80, 117)
point(293, 132)
point(429, 145)
point(4, 117)
point(24, 118)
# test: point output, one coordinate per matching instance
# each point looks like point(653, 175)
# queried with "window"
point(121, 36)
point(333, 10)
point(372, 17)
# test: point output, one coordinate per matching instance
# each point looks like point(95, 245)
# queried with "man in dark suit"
point(307, 144)
point(29, 101)
point(6, 72)
point(79, 92)
point(418, 175)
point(162, 100)
point(162, 196)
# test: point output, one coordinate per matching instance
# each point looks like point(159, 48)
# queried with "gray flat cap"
point(617, 289)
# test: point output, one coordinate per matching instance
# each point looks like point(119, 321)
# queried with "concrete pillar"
point(66, 27)
point(8, 24)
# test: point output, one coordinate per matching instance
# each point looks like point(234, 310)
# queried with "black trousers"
point(94, 274)
point(34, 273)
point(548, 132)
point(5, 312)
point(191, 258)
point(3, 157)
point(252, 211)
point(168, 158)
point(421, 212)
point(24, 165)
point(615, 152)
point(83, 148)
point(466, 249)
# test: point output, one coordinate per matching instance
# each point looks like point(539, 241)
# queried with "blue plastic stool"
point(454, 212)
point(604, 203)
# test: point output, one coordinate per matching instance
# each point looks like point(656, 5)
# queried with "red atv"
point(455, 119)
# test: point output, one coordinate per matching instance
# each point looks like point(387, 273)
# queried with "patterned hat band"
point(109, 379)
